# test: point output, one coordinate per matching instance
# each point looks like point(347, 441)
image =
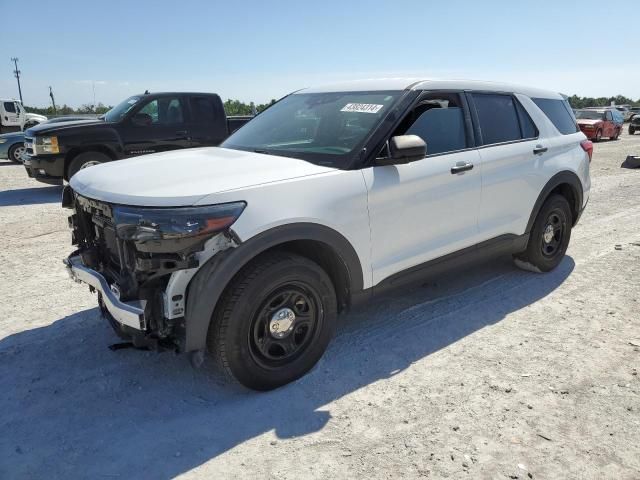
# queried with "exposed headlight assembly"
point(143, 224)
point(44, 145)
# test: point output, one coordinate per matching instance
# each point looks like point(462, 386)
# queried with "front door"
point(428, 208)
point(11, 120)
point(156, 126)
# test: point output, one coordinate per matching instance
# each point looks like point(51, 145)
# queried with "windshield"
point(322, 128)
point(118, 112)
point(589, 115)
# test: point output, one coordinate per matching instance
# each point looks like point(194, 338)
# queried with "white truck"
point(251, 250)
point(14, 118)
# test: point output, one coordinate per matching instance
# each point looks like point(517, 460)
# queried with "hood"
point(182, 177)
point(586, 121)
point(11, 135)
point(55, 127)
point(35, 116)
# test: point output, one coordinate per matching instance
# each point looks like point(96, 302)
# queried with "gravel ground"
point(487, 373)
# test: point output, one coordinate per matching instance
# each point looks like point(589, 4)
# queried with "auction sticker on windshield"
point(362, 107)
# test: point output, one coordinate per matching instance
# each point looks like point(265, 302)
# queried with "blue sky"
point(253, 50)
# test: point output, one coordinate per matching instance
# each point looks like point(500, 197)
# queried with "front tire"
point(549, 237)
point(632, 130)
point(274, 321)
point(85, 160)
point(598, 136)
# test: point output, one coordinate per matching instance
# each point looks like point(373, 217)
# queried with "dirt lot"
point(487, 373)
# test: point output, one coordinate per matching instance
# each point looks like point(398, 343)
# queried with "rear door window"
point(203, 110)
point(560, 114)
point(498, 118)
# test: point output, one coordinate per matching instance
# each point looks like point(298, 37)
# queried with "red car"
point(596, 124)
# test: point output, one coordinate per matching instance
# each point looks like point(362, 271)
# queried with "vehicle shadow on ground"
point(72, 408)
point(30, 196)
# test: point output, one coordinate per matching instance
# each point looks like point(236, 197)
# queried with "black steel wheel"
point(274, 321)
point(553, 233)
point(284, 325)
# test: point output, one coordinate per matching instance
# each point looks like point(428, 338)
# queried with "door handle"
point(461, 167)
point(539, 149)
point(181, 132)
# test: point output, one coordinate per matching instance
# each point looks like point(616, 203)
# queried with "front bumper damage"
point(129, 313)
point(142, 285)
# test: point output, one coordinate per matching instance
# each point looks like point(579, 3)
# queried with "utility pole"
point(53, 100)
point(16, 72)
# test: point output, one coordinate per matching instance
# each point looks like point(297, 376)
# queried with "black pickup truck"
point(146, 123)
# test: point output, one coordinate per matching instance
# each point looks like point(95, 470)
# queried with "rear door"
point(428, 208)
point(158, 125)
point(208, 122)
point(510, 151)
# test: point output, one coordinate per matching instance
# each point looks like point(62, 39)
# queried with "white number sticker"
point(362, 107)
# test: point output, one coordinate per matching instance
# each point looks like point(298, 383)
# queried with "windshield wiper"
point(261, 151)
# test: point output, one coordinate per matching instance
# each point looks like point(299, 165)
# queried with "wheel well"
point(568, 192)
point(325, 256)
point(74, 152)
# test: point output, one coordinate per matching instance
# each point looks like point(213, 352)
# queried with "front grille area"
point(95, 235)
point(28, 144)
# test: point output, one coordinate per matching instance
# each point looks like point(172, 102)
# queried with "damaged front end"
point(140, 260)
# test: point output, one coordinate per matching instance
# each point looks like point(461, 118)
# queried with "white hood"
point(182, 177)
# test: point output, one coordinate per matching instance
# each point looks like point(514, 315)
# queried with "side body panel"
point(420, 211)
point(513, 176)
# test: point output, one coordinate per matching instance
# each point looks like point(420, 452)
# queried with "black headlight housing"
point(179, 227)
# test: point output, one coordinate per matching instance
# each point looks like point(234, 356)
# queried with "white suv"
point(251, 250)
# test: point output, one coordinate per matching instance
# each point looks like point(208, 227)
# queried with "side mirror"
point(141, 119)
point(404, 149)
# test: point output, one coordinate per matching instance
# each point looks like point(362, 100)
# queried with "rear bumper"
point(46, 169)
point(589, 133)
point(130, 313)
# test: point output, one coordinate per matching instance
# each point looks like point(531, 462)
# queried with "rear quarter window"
point(560, 114)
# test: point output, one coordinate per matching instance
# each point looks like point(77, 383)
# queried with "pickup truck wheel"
point(549, 237)
point(85, 160)
point(274, 321)
point(632, 130)
point(16, 152)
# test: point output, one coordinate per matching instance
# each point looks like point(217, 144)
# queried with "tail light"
point(587, 146)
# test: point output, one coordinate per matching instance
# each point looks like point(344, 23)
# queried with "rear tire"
point(16, 151)
point(274, 321)
point(549, 237)
point(85, 160)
